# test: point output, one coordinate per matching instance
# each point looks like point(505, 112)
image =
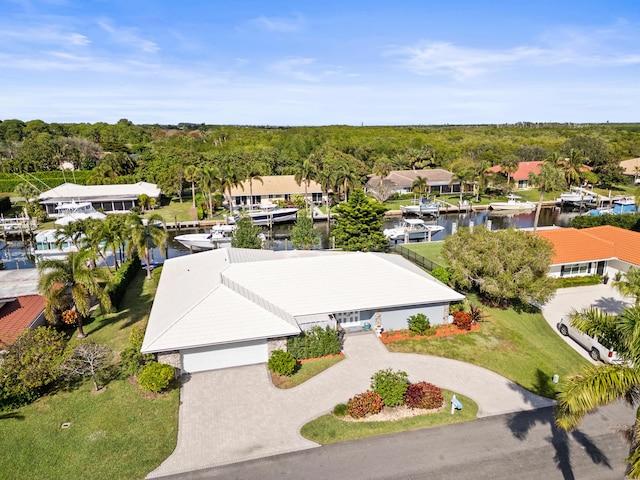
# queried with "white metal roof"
point(71, 191)
point(230, 294)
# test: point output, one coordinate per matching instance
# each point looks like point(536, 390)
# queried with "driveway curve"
point(236, 414)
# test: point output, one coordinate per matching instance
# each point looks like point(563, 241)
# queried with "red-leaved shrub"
point(367, 403)
point(462, 320)
point(423, 395)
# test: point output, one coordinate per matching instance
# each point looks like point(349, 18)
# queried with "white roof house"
point(220, 308)
point(109, 198)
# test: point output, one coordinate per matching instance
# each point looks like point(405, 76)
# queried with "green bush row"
point(630, 221)
point(315, 343)
point(121, 280)
point(43, 180)
point(578, 281)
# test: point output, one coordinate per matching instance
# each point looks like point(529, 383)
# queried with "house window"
point(523, 183)
point(575, 269)
point(346, 318)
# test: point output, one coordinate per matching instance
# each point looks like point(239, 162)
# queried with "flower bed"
point(438, 332)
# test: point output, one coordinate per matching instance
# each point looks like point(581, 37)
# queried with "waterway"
point(14, 255)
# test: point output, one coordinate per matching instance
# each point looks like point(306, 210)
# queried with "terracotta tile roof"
point(574, 246)
point(18, 314)
point(275, 185)
point(524, 168)
point(626, 242)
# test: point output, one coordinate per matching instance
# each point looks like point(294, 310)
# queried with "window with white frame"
point(575, 269)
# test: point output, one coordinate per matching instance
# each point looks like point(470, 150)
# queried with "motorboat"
point(619, 206)
point(421, 207)
point(578, 196)
point(48, 247)
point(412, 229)
point(74, 211)
point(513, 203)
point(271, 213)
point(219, 236)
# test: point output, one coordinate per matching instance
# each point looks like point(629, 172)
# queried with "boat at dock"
point(49, 246)
point(577, 196)
point(513, 203)
point(71, 212)
point(271, 213)
point(619, 206)
point(219, 236)
point(412, 229)
point(421, 207)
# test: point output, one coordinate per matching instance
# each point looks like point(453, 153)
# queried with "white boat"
point(577, 195)
point(47, 248)
point(412, 229)
point(73, 211)
point(421, 207)
point(218, 237)
point(513, 203)
point(270, 213)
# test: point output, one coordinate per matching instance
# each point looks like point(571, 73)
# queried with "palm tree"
point(192, 174)
point(72, 232)
point(630, 285)
point(305, 171)
point(326, 178)
point(596, 386)
point(27, 190)
point(572, 167)
point(208, 180)
point(348, 177)
point(227, 179)
point(71, 283)
point(549, 179)
point(146, 234)
point(112, 235)
point(419, 185)
point(253, 171)
point(509, 165)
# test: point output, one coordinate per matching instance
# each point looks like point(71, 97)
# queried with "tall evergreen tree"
point(359, 225)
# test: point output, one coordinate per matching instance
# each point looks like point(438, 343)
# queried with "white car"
point(596, 350)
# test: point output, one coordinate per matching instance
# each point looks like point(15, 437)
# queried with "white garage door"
point(223, 356)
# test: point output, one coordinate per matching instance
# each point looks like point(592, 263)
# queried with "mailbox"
point(455, 403)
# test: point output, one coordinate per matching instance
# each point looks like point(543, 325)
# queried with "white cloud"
point(279, 24)
point(128, 37)
point(46, 34)
point(305, 69)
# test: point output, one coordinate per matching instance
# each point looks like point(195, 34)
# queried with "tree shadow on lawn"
point(522, 423)
point(11, 416)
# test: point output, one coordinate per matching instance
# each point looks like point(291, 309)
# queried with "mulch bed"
point(306, 360)
point(440, 331)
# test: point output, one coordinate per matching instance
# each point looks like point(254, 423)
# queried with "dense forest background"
point(124, 152)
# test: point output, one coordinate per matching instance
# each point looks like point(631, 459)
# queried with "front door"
point(600, 268)
point(348, 319)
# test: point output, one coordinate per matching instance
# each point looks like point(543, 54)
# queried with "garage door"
point(224, 356)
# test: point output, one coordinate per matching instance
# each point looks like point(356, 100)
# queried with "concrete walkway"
point(604, 297)
point(236, 414)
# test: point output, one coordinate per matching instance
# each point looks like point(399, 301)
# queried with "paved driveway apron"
point(236, 414)
point(604, 297)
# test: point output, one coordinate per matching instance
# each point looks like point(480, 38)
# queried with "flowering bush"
point(70, 317)
point(367, 403)
point(462, 320)
point(423, 395)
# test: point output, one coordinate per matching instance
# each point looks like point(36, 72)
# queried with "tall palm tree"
point(112, 235)
point(191, 174)
point(348, 177)
point(419, 185)
point(227, 179)
point(146, 234)
point(629, 285)
point(549, 179)
point(208, 180)
point(509, 165)
point(304, 172)
point(71, 283)
point(596, 386)
point(253, 171)
point(572, 167)
point(71, 232)
point(326, 178)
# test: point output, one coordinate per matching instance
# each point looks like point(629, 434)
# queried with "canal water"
point(14, 255)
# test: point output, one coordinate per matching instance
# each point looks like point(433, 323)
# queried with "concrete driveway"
point(605, 297)
point(236, 414)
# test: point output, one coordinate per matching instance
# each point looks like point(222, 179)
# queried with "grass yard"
point(330, 429)
point(430, 250)
point(305, 371)
point(119, 433)
point(520, 346)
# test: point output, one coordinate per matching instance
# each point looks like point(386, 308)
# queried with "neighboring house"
point(602, 250)
point(231, 307)
point(107, 198)
point(439, 181)
point(520, 178)
point(18, 314)
point(632, 168)
point(273, 188)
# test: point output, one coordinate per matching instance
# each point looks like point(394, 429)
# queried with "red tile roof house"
point(18, 314)
point(602, 250)
point(521, 175)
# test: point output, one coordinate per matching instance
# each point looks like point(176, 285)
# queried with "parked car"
point(596, 350)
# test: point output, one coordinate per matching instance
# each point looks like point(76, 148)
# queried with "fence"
point(412, 256)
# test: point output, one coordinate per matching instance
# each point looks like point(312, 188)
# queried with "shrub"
point(390, 385)
point(340, 410)
point(121, 280)
point(442, 274)
point(476, 313)
point(419, 323)
point(367, 403)
point(282, 363)
point(156, 377)
point(423, 395)
point(462, 320)
point(315, 343)
point(578, 281)
point(131, 359)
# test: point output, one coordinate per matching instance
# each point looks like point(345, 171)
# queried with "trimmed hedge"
point(578, 281)
point(314, 343)
point(121, 280)
point(628, 221)
point(282, 363)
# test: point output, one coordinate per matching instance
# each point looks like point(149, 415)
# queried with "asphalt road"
point(523, 445)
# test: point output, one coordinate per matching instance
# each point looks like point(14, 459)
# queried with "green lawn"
point(305, 371)
point(520, 346)
point(430, 250)
point(331, 429)
point(119, 433)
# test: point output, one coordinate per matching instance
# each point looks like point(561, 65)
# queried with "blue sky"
point(320, 62)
